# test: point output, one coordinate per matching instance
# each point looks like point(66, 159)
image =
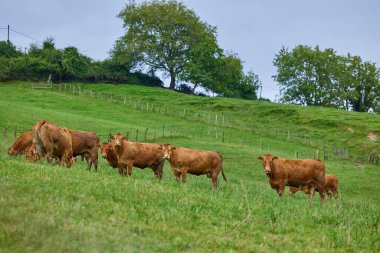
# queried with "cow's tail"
point(224, 175)
point(37, 138)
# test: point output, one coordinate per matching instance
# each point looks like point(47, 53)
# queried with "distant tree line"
point(65, 65)
point(314, 77)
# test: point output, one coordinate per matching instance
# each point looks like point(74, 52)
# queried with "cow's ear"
point(98, 146)
point(274, 158)
point(260, 158)
point(160, 147)
point(125, 138)
point(111, 137)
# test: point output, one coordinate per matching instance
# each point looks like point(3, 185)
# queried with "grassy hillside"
point(47, 208)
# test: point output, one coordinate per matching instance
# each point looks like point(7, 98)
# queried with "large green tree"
point(162, 35)
point(310, 76)
point(306, 76)
point(359, 84)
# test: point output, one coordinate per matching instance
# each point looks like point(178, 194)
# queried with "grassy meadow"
point(45, 208)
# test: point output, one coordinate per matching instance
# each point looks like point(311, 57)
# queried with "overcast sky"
point(255, 30)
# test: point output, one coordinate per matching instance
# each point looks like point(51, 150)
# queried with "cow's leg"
point(87, 156)
point(335, 194)
point(214, 179)
point(120, 166)
point(329, 195)
point(95, 160)
point(321, 190)
point(311, 191)
point(158, 170)
point(130, 164)
point(184, 172)
point(177, 174)
point(281, 190)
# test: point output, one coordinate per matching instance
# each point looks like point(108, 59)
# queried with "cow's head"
point(167, 149)
point(267, 160)
point(118, 140)
point(104, 148)
point(11, 150)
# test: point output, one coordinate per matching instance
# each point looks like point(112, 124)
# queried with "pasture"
point(45, 208)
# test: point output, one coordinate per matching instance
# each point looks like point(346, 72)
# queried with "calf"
point(140, 155)
point(195, 162)
point(85, 144)
point(108, 152)
point(53, 141)
point(331, 187)
point(24, 145)
point(285, 172)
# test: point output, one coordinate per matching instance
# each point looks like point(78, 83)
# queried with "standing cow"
point(140, 155)
point(107, 150)
point(285, 172)
point(195, 162)
point(53, 141)
point(85, 144)
point(24, 145)
point(331, 187)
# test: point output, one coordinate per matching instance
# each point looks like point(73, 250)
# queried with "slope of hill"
point(45, 208)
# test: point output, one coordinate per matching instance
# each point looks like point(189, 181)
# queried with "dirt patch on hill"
point(372, 137)
point(350, 129)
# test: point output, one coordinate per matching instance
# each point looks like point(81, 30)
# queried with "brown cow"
point(331, 187)
point(53, 141)
point(140, 155)
point(85, 144)
point(108, 152)
point(296, 173)
point(194, 161)
point(24, 145)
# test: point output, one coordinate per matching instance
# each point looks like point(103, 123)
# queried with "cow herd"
point(52, 142)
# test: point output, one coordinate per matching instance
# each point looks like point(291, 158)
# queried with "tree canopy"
point(310, 76)
point(162, 35)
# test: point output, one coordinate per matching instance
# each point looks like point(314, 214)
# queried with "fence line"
point(220, 121)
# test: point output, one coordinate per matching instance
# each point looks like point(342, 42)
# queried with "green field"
point(46, 208)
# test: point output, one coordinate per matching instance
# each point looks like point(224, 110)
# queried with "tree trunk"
point(193, 90)
point(172, 79)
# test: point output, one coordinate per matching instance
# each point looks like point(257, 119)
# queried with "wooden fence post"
point(223, 137)
point(15, 132)
point(137, 132)
point(163, 132)
point(5, 132)
point(146, 130)
point(184, 113)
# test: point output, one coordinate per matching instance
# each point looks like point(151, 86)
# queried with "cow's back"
point(299, 172)
point(83, 141)
point(142, 154)
point(197, 161)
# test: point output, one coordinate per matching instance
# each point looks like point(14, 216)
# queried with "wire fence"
point(215, 127)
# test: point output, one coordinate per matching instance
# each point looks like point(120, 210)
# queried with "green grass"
point(46, 208)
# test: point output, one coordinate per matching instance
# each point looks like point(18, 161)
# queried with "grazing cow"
point(53, 141)
point(140, 155)
point(108, 152)
point(331, 187)
point(85, 144)
point(195, 162)
point(24, 145)
point(285, 172)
